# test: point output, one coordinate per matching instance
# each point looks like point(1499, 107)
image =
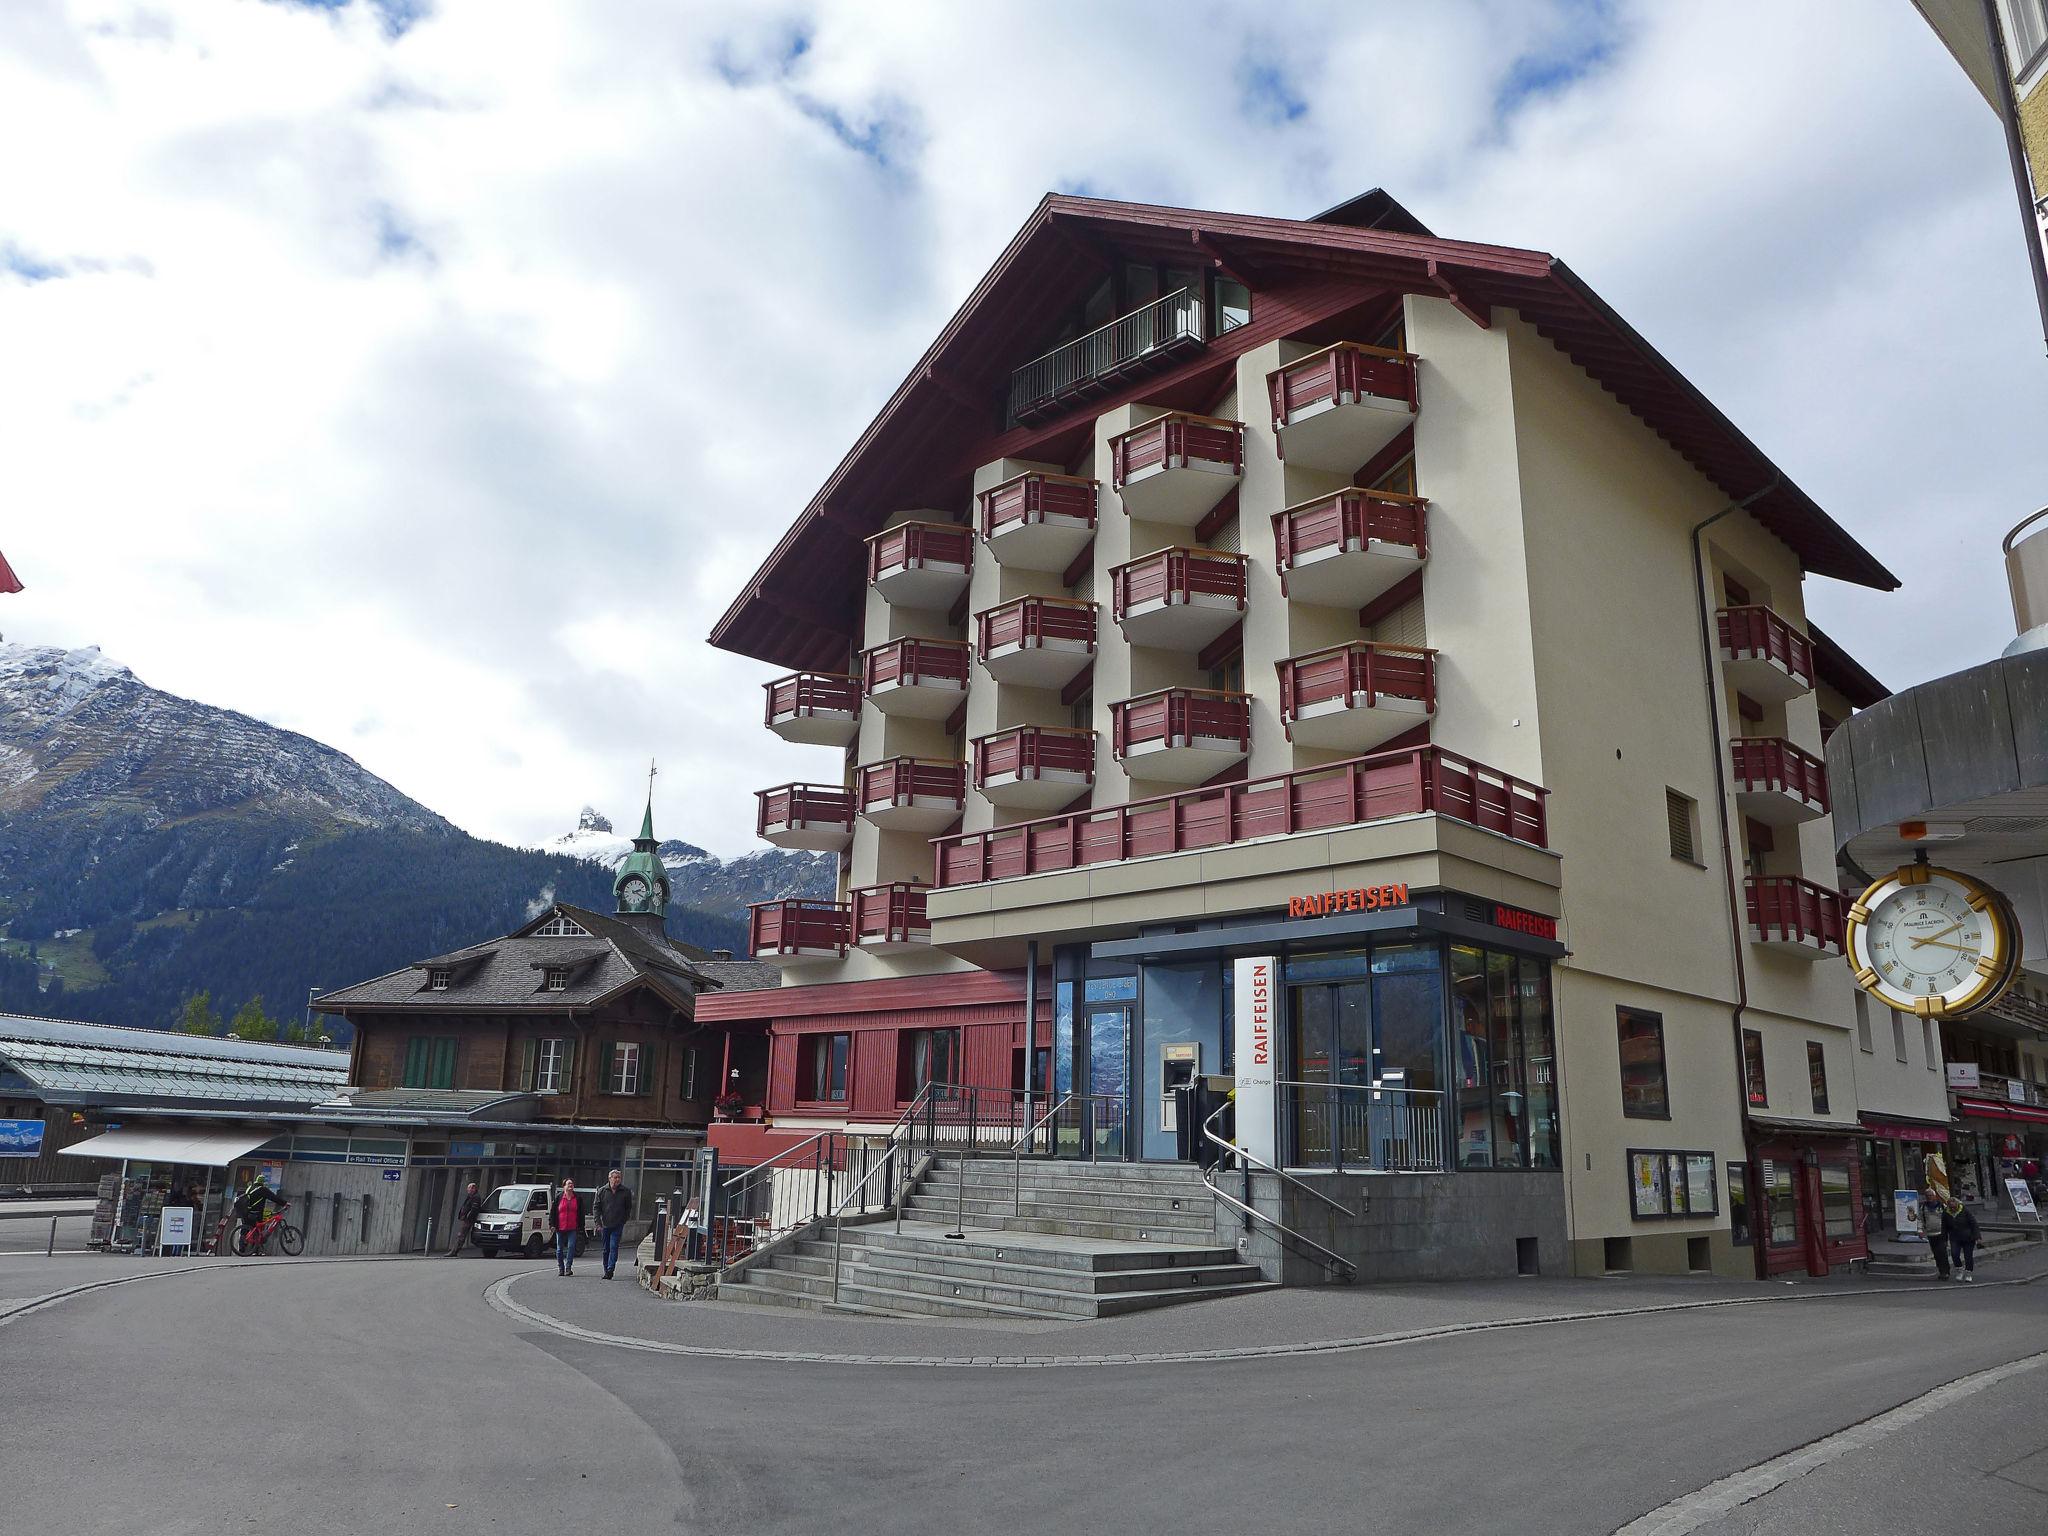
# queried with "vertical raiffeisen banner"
point(1257, 1056)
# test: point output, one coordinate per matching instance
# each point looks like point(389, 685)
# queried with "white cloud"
point(433, 393)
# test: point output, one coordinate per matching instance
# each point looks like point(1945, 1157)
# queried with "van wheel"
point(534, 1248)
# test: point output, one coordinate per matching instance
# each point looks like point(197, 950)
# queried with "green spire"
point(641, 886)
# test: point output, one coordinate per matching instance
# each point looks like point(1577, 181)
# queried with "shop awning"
point(1995, 1109)
point(200, 1149)
point(1795, 1125)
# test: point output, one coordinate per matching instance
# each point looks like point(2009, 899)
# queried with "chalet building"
point(1382, 610)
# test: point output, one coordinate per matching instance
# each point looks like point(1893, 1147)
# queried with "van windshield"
point(508, 1197)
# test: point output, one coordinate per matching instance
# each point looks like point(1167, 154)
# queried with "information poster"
point(1700, 1195)
point(2022, 1199)
point(1256, 1061)
point(175, 1229)
point(1906, 1215)
point(1646, 1183)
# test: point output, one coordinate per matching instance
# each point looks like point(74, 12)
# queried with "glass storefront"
point(1411, 1053)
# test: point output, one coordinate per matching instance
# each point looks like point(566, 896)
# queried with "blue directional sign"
point(21, 1138)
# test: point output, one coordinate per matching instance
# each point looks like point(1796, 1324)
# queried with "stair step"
point(1043, 1291)
point(1018, 1248)
point(1087, 1282)
point(1058, 1202)
point(1133, 1226)
point(1073, 1192)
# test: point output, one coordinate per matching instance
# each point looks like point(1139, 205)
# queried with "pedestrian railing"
point(1225, 1154)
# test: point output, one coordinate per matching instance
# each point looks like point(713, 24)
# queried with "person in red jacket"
point(568, 1227)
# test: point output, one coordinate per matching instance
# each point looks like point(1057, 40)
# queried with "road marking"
point(1731, 1493)
point(498, 1295)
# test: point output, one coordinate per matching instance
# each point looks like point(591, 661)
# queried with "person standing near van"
point(1962, 1240)
point(614, 1210)
point(465, 1220)
point(1934, 1227)
point(568, 1227)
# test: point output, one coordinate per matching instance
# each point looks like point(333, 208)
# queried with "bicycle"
point(256, 1240)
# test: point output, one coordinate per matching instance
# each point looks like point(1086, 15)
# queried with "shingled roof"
point(607, 958)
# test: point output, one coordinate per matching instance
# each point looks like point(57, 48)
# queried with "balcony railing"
point(1180, 717)
point(798, 927)
point(1179, 578)
point(1035, 622)
point(1789, 911)
point(1414, 781)
point(1177, 440)
point(1093, 364)
point(906, 781)
point(796, 805)
point(890, 915)
point(1037, 497)
point(913, 663)
point(1766, 765)
point(1757, 634)
point(1350, 522)
point(814, 707)
point(1357, 676)
point(913, 546)
point(1031, 751)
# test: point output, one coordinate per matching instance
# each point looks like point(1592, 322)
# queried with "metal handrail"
point(905, 1123)
point(1017, 1146)
point(1252, 1212)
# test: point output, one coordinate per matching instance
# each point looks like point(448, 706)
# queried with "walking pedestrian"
point(1934, 1227)
point(1962, 1240)
point(568, 1227)
point(614, 1210)
point(466, 1214)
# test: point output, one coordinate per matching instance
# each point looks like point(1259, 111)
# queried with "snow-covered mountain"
point(699, 878)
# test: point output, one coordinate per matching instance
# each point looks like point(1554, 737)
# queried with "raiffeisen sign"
point(1365, 898)
point(1256, 1057)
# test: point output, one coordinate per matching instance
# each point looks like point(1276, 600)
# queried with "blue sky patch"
point(1266, 93)
point(19, 263)
point(398, 16)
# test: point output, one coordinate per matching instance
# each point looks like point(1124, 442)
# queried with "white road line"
point(1730, 1493)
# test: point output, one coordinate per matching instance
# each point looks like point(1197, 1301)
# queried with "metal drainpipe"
point(2016, 153)
point(1738, 921)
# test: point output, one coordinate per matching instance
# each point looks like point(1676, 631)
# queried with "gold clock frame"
point(1995, 971)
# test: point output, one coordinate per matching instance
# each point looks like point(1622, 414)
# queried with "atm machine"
point(1180, 1065)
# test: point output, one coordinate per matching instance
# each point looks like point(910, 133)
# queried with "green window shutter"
point(415, 1062)
point(444, 1064)
point(602, 1066)
point(529, 1063)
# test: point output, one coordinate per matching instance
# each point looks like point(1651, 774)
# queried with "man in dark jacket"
point(465, 1220)
point(614, 1210)
point(1960, 1222)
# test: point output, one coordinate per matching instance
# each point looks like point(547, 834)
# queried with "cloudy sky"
point(425, 375)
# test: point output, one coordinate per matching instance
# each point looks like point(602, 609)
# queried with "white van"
point(516, 1218)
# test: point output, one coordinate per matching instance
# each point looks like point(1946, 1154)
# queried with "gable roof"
point(510, 973)
point(800, 610)
point(1842, 672)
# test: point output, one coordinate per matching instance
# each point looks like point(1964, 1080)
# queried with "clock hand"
point(1951, 928)
point(1968, 949)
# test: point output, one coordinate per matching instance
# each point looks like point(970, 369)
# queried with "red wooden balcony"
point(1763, 655)
point(1343, 551)
point(1776, 782)
point(797, 930)
point(1176, 467)
point(814, 816)
point(817, 708)
point(1182, 735)
point(913, 794)
point(1353, 697)
point(1178, 599)
point(891, 917)
point(1414, 781)
point(1038, 522)
point(1336, 408)
point(921, 565)
point(1036, 642)
point(915, 679)
point(1038, 767)
point(1794, 916)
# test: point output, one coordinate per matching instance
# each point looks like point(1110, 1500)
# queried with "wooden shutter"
point(443, 1063)
point(603, 1065)
point(529, 1066)
point(1678, 815)
point(415, 1063)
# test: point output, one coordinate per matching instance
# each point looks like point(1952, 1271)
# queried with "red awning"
point(1897, 1131)
point(1992, 1109)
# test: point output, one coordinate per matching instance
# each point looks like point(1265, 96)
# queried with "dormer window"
point(560, 927)
point(437, 980)
point(555, 978)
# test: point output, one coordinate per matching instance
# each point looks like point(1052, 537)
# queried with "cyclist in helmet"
point(254, 1203)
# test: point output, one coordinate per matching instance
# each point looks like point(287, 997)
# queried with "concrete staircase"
point(1092, 1240)
point(1900, 1261)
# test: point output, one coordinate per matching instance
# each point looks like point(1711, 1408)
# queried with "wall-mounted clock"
point(1930, 941)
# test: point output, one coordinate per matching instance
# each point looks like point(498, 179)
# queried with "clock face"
point(635, 891)
point(1929, 941)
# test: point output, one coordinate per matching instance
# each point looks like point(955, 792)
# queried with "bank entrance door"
point(1106, 1114)
point(1330, 1062)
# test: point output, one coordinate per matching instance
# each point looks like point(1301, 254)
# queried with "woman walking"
point(568, 1227)
point(1962, 1240)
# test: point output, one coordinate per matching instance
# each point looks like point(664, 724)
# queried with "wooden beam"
point(958, 615)
point(1218, 517)
point(1222, 648)
point(1480, 316)
point(1232, 266)
point(956, 721)
point(1079, 686)
point(1377, 466)
point(1080, 564)
point(1406, 590)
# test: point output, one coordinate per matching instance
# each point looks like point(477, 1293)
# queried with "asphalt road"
point(378, 1396)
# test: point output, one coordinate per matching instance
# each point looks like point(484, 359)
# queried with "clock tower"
point(641, 887)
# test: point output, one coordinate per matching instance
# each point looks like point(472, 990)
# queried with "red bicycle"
point(256, 1240)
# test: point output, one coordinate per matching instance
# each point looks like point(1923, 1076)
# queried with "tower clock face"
point(1930, 941)
point(635, 892)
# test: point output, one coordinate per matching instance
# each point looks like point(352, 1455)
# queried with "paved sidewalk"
point(1273, 1322)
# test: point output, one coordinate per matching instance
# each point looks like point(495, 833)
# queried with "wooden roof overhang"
point(801, 608)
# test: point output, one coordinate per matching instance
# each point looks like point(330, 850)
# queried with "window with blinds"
point(1406, 625)
point(1681, 813)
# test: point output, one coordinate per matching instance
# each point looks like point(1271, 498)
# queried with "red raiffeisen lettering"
point(1262, 1015)
point(1367, 898)
point(1525, 922)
